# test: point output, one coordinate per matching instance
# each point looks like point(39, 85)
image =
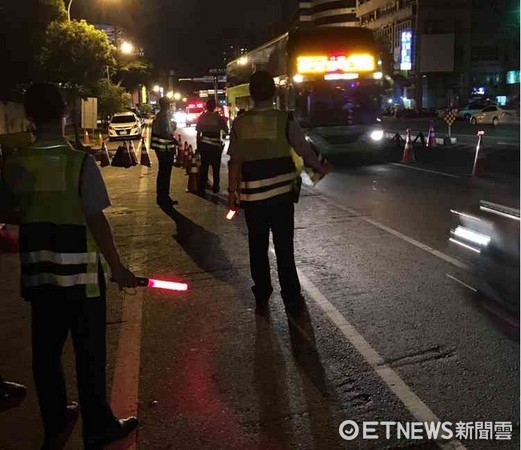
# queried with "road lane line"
point(514, 144)
point(410, 400)
point(468, 286)
point(455, 262)
point(426, 170)
point(124, 397)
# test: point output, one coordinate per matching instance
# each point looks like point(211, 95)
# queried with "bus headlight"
point(377, 135)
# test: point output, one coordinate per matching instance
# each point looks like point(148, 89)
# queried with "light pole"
point(69, 10)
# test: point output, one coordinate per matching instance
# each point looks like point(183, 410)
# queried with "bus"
point(330, 78)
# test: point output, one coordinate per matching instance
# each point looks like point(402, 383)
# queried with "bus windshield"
point(349, 103)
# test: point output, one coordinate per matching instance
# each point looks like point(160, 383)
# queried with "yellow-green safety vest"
point(56, 246)
point(268, 169)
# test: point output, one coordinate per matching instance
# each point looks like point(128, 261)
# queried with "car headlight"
point(377, 135)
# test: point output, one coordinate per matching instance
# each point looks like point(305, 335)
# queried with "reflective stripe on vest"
point(267, 167)
point(64, 281)
point(162, 145)
point(56, 246)
point(58, 258)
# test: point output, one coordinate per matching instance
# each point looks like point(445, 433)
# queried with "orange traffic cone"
point(145, 159)
point(100, 140)
point(193, 174)
point(478, 170)
point(133, 155)
point(104, 158)
point(181, 155)
point(431, 137)
point(86, 137)
point(188, 156)
point(408, 152)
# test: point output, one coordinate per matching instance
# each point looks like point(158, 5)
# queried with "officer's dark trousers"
point(52, 319)
point(278, 216)
point(210, 156)
point(165, 161)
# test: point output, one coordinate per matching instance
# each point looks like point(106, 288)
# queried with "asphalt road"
point(389, 336)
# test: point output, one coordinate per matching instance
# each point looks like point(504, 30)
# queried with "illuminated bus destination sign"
point(330, 64)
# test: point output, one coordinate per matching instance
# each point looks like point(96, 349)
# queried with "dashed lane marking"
point(468, 286)
point(426, 170)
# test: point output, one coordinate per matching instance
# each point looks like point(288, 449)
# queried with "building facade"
point(325, 13)
point(447, 52)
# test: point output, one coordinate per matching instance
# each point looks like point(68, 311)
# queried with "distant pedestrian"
point(164, 143)
point(210, 127)
point(262, 176)
point(59, 195)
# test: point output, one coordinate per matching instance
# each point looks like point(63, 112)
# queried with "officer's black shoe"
point(166, 201)
point(262, 307)
point(59, 441)
point(295, 307)
point(119, 429)
point(11, 394)
point(216, 190)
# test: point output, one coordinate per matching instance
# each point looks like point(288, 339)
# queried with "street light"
point(156, 88)
point(126, 48)
point(170, 95)
point(177, 96)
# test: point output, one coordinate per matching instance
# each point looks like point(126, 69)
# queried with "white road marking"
point(468, 286)
point(455, 262)
point(410, 400)
point(426, 170)
point(514, 144)
point(124, 397)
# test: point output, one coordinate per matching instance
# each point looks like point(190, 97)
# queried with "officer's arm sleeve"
point(93, 192)
point(297, 140)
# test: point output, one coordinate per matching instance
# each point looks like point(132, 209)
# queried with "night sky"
point(189, 35)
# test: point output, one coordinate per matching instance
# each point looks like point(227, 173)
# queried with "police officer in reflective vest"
point(209, 144)
point(59, 195)
point(164, 143)
point(262, 176)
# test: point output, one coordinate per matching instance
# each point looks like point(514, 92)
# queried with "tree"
point(111, 98)
point(22, 48)
point(76, 55)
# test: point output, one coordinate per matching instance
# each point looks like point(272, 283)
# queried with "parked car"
point(472, 108)
point(124, 126)
point(492, 114)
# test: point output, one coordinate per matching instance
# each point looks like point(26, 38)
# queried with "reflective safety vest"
point(56, 247)
point(268, 170)
point(161, 140)
point(210, 125)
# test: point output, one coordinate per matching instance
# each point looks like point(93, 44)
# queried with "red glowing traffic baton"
point(231, 214)
point(162, 284)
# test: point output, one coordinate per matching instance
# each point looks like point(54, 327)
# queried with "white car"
point(492, 114)
point(469, 110)
point(124, 126)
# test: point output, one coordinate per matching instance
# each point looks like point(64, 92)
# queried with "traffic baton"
point(161, 284)
point(231, 214)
